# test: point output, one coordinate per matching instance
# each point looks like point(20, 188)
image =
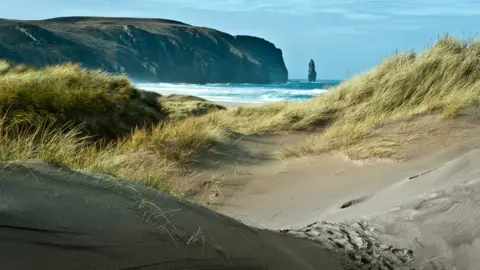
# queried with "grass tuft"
point(91, 120)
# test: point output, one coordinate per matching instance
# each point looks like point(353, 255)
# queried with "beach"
point(292, 90)
point(231, 105)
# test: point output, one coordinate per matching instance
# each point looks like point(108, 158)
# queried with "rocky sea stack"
point(312, 74)
point(145, 49)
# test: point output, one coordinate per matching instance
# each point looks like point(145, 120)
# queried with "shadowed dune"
point(52, 218)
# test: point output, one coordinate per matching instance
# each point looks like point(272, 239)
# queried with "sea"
point(293, 90)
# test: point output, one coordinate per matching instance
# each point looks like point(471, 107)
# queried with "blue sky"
point(342, 36)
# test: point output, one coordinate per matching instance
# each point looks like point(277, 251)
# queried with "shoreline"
point(231, 105)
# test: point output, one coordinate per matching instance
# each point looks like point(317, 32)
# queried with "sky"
point(344, 37)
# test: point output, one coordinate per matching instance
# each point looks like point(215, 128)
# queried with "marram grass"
point(442, 80)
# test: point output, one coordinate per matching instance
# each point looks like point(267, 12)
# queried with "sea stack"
point(312, 74)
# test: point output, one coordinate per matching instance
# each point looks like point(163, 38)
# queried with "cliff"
point(145, 49)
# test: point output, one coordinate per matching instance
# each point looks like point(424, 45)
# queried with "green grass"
point(87, 119)
point(106, 106)
point(181, 106)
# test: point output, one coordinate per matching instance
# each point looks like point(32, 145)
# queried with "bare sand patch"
point(254, 184)
point(231, 105)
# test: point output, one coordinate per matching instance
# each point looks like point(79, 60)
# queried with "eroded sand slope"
point(425, 210)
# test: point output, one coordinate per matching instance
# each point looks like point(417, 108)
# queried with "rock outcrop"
point(312, 73)
point(145, 49)
point(359, 243)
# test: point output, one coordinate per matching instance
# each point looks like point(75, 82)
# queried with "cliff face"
point(145, 49)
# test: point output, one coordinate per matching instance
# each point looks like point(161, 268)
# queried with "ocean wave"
point(239, 92)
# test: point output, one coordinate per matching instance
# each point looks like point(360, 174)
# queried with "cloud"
point(407, 27)
point(352, 9)
point(365, 16)
point(442, 11)
point(335, 16)
point(339, 17)
point(335, 31)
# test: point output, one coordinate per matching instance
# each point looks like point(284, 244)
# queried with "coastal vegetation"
point(440, 81)
point(89, 120)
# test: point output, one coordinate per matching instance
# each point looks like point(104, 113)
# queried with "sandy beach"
point(230, 105)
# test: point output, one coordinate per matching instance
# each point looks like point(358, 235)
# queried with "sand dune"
point(52, 218)
point(321, 212)
point(442, 221)
point(435, 213)
point(427, 204)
